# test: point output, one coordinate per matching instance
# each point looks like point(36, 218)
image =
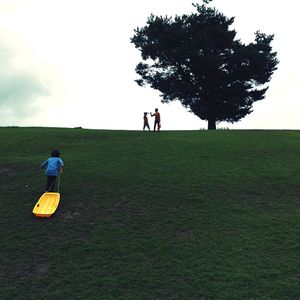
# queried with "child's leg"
point(50, 183)
point(146, 125)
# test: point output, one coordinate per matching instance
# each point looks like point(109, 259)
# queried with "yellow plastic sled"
point(47, 205)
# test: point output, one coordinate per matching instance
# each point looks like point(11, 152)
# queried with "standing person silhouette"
point(156, 119)
point(146, 124)
point(53, 166)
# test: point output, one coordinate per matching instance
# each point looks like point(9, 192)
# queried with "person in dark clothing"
point(146, 124)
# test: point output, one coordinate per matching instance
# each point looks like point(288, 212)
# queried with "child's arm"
point(44, 164)
point(61, 167)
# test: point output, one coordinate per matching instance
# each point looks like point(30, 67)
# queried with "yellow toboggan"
point(47, 204)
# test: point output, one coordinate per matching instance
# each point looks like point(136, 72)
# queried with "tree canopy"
point(197, 60)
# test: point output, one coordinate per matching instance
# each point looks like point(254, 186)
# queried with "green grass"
point(174, 215)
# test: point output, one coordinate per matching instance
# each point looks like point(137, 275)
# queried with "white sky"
point(69, 63)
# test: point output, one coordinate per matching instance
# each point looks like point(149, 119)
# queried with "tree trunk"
point(211, 124)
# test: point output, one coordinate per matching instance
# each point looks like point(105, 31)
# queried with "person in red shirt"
point(156, 119)
point(146, 124)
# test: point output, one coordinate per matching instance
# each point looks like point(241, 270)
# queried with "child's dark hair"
point(55, 153)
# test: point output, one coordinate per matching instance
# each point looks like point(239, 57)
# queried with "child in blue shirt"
point(53, 165)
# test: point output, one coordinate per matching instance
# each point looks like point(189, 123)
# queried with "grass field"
point(174, 215)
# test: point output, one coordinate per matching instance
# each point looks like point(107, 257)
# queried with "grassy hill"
point(174, 215)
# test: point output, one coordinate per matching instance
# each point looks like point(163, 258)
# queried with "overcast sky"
point(69, 63)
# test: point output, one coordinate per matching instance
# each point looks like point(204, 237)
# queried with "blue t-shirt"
point(52, 165)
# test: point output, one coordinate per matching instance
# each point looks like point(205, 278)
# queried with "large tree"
point(197, 60)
